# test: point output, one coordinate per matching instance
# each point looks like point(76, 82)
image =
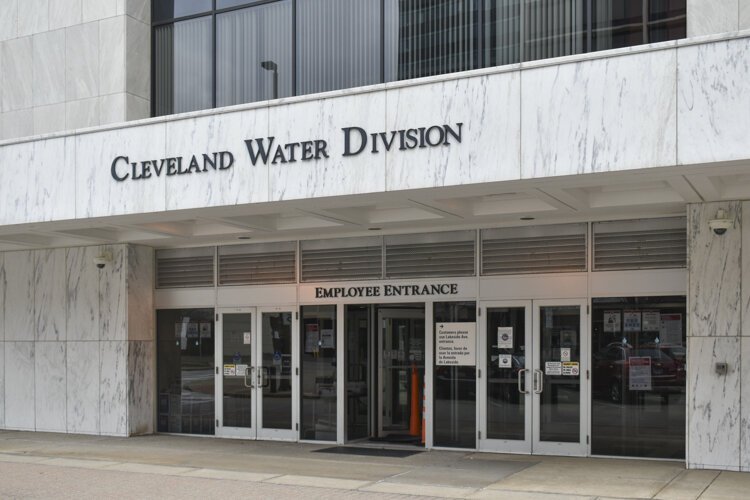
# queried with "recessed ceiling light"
point(243, 237)
point(373, 229)
point(528, 218)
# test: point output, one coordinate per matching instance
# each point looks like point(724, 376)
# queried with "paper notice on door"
point(505, 361)
point(205, 330)
point(639, 373)
point(570, 369)
point(456, 344)
point(651, 321)
point(612, 321)
point(505, 337)
point(230, 370)
point(565, 354)
point(247, 338)
point(632, 321)
point(327, 338)
point(670, 330)
point(240, 370)
point(553, 368)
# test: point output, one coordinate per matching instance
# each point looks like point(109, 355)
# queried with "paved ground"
point(36, 465)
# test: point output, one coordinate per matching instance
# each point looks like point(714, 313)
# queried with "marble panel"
point(712, 17)
point(713, 431)
point(140, 293)
point(113, 295)
point(138, 58)
point(51, 180)
point(599, 115)
point(64, 13)
point(113, 388)
point(83, 294)
point(48, 67)
point(714, 272)
point(19, 385)
point(744, 15)
point(50, 386)
point(19, 123)
point(98, 194)
point(241, 183)
point(2, 384)
point(136, 108)
point(745, 285)
point(93, 10)
point(82, 61)
point(83, 387)
point(141, 387)
point(488, 108)
point(3, 286)
point(112, 108)
point(745, 404)
point(82, 113)
point(50, 295)
point(33, 17)
point(48, 119)
point(138, 9)
point(8, 19)
point(17, 78)
point(323, 119)
point(713, 102)
point(19, 300)
point(112, 67)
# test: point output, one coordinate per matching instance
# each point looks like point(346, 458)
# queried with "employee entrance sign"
point(456, 344)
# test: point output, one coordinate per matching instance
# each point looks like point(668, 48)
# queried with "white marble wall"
point(68, 64)
point(719, 279)
point(708, 17)
point(79, 353)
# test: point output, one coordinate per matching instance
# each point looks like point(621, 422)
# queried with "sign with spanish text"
point(456, 344)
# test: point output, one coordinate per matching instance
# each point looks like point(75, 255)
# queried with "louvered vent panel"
point(530, 250)
point(257, 264)
point(182, 269)
point(438, 255)
point(327, 261)
point(656, 244)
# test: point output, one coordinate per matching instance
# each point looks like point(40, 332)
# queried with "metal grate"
point(182, 268)
point(341, 259)
point(535, 249)
point(257, 264)
point(640, 244)
point(430, 255)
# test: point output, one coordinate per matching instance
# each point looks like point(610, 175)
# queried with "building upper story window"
point(210, 53)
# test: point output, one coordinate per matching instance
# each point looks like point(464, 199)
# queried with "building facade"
point(498, 225)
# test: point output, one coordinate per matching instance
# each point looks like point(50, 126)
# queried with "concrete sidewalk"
point(304, 466)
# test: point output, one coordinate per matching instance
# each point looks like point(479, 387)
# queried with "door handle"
point(250, 370)
point(538, 381)
point(522, 381)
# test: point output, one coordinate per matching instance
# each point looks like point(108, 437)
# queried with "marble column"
point(714, 327)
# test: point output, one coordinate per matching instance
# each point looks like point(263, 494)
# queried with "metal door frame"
point(505, 445)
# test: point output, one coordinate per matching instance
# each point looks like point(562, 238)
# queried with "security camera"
point(102, 260)
point(721, 223)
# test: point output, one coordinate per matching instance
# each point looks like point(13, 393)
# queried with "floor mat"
point(368, 452)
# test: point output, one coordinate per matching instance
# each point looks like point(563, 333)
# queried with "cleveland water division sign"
point(269, 151)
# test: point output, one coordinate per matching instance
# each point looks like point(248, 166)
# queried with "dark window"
point(246, 51)
point(318, 373)
point(455, 391)
point(185, 370)
point(638, 377)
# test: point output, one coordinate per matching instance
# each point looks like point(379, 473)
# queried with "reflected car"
point(611, 370)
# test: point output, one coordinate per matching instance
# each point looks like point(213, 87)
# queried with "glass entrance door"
point(534, 394)
point(256, 367)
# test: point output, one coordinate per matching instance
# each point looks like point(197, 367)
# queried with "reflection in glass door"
point(256, 374)
point(533, 390)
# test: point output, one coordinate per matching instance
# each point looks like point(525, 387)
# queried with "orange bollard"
point(414, 415)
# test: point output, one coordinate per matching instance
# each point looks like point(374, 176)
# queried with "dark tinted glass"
point(502, 32)
point(318, 373)
point(170, 9)
point(185, 370)
point(254, 54)
point(357, 372)
point(237, 397)
point(454, 416)
point(223, 4)
point(624, 23)
point(430, 37)
point(638, 366)
point(276, 369)
point(183, 65)
point(554, 29)
point(338, 44)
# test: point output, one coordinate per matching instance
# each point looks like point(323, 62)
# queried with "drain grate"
point(368, 452)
